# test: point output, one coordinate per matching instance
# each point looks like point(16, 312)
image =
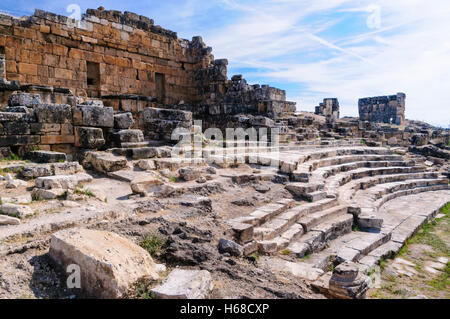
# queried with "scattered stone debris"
point(100, 152)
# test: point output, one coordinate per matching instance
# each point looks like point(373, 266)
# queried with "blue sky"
point(313, 48)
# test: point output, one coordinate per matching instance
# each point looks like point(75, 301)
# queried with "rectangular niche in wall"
point(93, 79)
point(160, 84)
point(93, 73)
point(2, 62)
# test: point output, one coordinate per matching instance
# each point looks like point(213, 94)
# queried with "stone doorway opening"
point(93, 78)
point(160, 86)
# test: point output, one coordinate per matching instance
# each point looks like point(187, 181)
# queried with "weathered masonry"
point(67, 85)
point(111, 54)
point(384, 109)
point(329, 108)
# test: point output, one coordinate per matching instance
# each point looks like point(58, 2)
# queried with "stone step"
point(350, 246)
point(318, 237)
point(332, 161)
point(175, 163)
point(243, 227)
point(379, 196)
point(346, 151)
point(301, 189)
point(328, 171)
point(348, 191)
point(384, 189)
point(315, 196)
point(311, 220)
point(371, 182)
point(344, 178)
point(266, 212)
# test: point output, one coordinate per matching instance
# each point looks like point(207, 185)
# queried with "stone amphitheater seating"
point(336, 190)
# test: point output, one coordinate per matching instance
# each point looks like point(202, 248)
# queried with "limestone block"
point(62, 181)
point(123, 121)
point(97, 116)
point(228, 246)
point(46, 157)
point(150, 185)
point(8, 220)
point(348, 283)
point(104, 162)
point(130, 136)
point(13, 210)
point(185, 284)
point(89, 137)
point(189, 173)
point(35, 171)
point(109, 264)
point(54, 113)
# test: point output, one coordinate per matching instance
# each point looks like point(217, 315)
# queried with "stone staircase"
point(337, 191)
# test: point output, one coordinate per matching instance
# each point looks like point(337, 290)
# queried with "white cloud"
point(408, 53)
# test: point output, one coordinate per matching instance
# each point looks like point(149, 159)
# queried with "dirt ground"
point(181, 232)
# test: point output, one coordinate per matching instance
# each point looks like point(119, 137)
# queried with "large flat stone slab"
point(109, 264)
point(62, 181)
point(104, 162)
point(296, 269)
point(185, 284)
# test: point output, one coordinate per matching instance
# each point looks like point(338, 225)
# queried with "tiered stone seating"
point(337, 188)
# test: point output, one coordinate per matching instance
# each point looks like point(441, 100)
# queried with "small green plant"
point(307, 256)
point(12, 157)
point(443, 281)
point(286, 252)
point(173, 179)
point(254, 256)
point(143, 292)
point(383, 263)
point(154, 244)
point(79, 190)
point(106, 199)
point(363, 141)
point(16, 215)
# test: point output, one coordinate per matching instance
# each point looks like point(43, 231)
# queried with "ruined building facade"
point(383, 109)
point(51, 67)
point(109, 55)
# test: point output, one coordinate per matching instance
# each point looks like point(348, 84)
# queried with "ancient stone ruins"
point(122, 173)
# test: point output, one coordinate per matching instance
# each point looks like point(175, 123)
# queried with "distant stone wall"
point(383, 109)
point(329, 108)
point(236, 96)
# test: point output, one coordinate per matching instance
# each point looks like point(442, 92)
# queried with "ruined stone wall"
point(384, 109)
point(221, 96)
point(329, 107)
point(105, 53)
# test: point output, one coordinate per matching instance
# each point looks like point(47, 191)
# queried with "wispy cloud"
point(316, 48)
